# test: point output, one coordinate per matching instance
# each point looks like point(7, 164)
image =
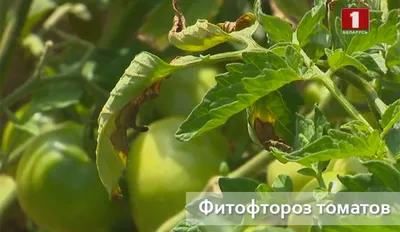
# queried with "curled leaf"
point(204, 35)
point(241, 23)
point(199, 37)
point(140, 82)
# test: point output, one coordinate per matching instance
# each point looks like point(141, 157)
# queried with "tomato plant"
point(209, 96)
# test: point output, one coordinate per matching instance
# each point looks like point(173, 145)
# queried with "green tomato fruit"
point(180, 93)
point(161, 169)
point(312, 93)
point(355, 95)
point(350, 165)
point(276, 168)
point(58, 186)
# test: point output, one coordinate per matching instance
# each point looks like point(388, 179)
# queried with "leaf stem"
point(250, 169)
point(377, 106)
point(338, 95)
point(10, 38)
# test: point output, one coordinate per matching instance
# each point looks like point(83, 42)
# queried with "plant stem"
point(249, 169)
point(338, 95)
point(377, 106)
point(10, 38)
point(4, 6)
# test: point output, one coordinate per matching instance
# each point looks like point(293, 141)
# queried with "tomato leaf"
point(283, 183)
point(277, 30)
point(273, 111)
point(204, 35)
point(339, 59)
point(385, 33)
point(140, 82)
point(358, 228)
point(319, 40)
point(391, 127)
point(8, 192)
point(158, 23)
point(393, 54)
point(53, 95)
point(391, 115)
point(308, 23)
point(236, 90)
point(375, 63)
point(294, 59)
point(387, 173)
point(199, 37)
point(304, 131)
point(362, 182)
point(237, 184)
point(187, 225)
point(337, 144)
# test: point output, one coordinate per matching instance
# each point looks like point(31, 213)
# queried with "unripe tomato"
point(180, 93)
point(58, 185)
point(355, 95)
point(312, 93)
point(350, 165)
point(276, 168)
point(161, 169)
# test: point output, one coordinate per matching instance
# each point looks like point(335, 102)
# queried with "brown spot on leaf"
point(126, 119)
point(266, 134)
point(179, 21)
point(116, 194)
point(241, 23)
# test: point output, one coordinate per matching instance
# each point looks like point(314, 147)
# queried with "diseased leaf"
point(236, 90)
point(308, 23)
point(339, 59)
point(385, 33)
point(158, 23)
point(204, 35)
point(276, 29)
point(272, 118)
point(140, 82)
point(199, 37)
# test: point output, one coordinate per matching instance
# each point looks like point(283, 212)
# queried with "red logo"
point(355, 20)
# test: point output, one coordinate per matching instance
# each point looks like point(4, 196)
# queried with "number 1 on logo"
point(355, 19)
